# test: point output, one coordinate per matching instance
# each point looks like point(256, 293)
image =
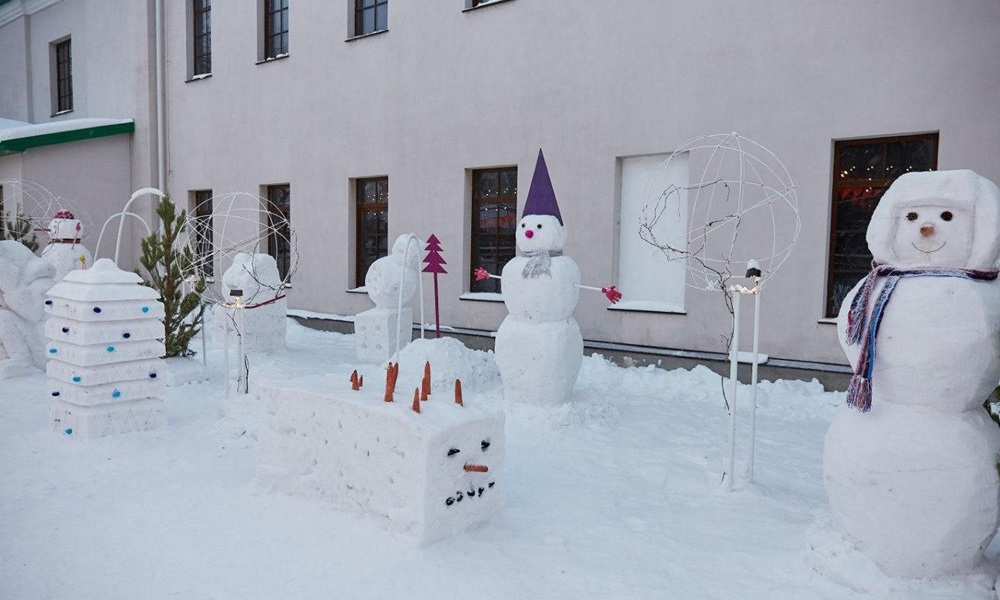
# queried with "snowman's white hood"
point(962, 189)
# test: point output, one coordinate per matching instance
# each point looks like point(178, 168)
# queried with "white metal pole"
point(225, 351)
point(204, 346)
point(734, 355)
point(753, 376)
point(241, 357)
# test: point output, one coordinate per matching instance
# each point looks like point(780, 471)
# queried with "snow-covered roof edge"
point(19, 139)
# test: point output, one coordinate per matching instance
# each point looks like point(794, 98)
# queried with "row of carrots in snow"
point(419, 394)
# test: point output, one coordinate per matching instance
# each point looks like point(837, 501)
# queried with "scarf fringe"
point(859, 393)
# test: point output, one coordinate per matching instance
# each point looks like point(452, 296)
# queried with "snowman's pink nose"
point(927, 230)
point(529, 234)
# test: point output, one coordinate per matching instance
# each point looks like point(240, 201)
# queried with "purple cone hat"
point(541, 198)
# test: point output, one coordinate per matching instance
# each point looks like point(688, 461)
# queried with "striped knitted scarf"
point(863, 330)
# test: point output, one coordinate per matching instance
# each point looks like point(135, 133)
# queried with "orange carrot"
point(416, 400)
point(458, 392)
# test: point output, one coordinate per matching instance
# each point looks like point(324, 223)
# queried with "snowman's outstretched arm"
point(610, 291)
point(482, 274)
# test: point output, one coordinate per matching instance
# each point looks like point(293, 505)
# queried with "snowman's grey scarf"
point(863, 329)
point(538, 263)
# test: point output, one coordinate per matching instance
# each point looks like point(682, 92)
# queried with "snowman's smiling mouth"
point(943, 244)
point(472, 492)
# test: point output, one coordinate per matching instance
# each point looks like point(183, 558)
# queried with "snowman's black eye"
point(453, 451)
point(522, 225)
point(485, 444)
point(539, 226)
point(946, 215)
point(911, 216)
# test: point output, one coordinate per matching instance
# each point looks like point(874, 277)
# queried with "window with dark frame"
point(204, 234)
point(494, 222)
point(275, 28)
point(201, 50)
point(370, 16)
point(862, 171)
point(64, 77)
point(279, 208)
point(372, 239)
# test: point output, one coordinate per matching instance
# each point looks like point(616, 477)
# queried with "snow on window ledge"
point(199, 77)
point(483, 5)
point(482, 296)
point(653, 306)
point(271, 59)
point(358, 290)
point(828, 320)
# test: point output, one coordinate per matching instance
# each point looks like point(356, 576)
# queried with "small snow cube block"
point(427, 475)
point(89, 422)
point(376, 330)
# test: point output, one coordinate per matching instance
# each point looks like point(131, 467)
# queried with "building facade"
point(365, 119)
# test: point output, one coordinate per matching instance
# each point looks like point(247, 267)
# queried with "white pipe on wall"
point(161, 153)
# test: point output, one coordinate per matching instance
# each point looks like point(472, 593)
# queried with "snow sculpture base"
point(898, 500)
point(91, 422)
point(375, 333)
point(264, 327)
point(539, 362)
point(381, 459)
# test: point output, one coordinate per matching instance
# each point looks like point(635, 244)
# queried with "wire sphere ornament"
point(226, 233)
point(28, 209)
point(738, 204)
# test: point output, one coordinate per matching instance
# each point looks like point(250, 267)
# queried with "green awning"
point(19, 139)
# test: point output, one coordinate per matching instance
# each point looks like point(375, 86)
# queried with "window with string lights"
point(494, 222)
point(279, 208)
point(862, 170)
point(372, 236)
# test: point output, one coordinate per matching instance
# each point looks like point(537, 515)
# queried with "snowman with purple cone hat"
point(539, 347)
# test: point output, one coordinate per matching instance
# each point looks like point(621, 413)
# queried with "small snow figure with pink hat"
point(539, 347)
point(65, 251)
point(910, 464)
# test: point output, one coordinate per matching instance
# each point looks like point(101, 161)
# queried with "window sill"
point(648, 306)
point(828, 321)
point(272, 59)
point(367, 35)
point(484, 5)
point(358, 290)
point(61, 113)
point(198, 77)
point(482, 297)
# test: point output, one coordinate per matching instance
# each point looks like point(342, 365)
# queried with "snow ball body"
point(386, 275)
point(264, 327)
point(914, 482)
point(539, 362)
point(547, 296)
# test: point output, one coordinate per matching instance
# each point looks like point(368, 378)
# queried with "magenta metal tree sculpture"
point(435, 264)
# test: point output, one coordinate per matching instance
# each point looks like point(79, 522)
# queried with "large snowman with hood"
point(910, 464)
point(539, 347)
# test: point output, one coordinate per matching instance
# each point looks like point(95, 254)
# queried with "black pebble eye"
point(539, 226)
point(911, 216)
point(485, 444)
point(946, 215)
point(523, 225)
point(453, 451)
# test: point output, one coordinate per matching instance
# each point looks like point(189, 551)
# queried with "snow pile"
point(450, 360)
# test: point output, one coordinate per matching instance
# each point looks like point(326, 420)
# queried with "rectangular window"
point(64, 77)
point(647, 279)
point(275, 28)
point(372, 239)
point(494, 222)
point(201, 37)
point(279, 208)
point(370, 16)
point(202, 216)
point(862, 170)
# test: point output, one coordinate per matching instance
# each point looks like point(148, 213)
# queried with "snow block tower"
point(425, 475)
point(539, 346)
point(65, 250)
point(105, 343)
point(376, 330)
point(910, 465)
point(265, 320)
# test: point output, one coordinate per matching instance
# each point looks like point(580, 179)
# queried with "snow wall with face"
point(914, 482)
point(105, 343)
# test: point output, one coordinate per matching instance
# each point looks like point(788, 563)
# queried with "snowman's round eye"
point(911, 216)
point(539, 226)
point(522, 225)
point(946, 215)
point(453, 451)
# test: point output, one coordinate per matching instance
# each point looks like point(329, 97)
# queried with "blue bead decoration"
point(69, 431)
point(52, 350)
point(65, 330)
point(145, 309)
point(126, 335)
point(97, 309)
point(76, 379)
point(55, 393)
point(111, 348)
point(48, 303)
point(153, 375)
point(116, 394)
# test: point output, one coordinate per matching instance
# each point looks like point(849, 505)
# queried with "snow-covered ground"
point(617, 495)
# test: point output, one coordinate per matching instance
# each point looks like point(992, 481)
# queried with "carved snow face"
point(536, 233)
point(932, 234)
point(467, 461)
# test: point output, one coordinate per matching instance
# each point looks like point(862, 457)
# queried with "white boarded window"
point(647, 279)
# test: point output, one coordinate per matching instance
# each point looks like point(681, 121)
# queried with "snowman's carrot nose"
point(476, 468)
